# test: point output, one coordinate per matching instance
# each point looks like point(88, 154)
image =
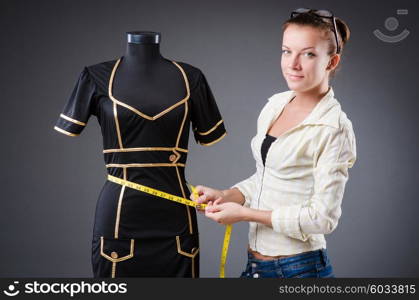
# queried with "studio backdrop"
point(50, 182)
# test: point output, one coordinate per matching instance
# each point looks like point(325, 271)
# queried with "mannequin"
point(143, 63)
point(145, 105)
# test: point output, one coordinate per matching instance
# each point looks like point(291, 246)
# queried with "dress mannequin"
point(145, 105)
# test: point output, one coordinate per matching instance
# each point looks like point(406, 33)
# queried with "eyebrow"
point(301, 49)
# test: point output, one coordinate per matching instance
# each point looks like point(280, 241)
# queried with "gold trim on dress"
point(187, 206)
point(177, 155)
point(118, 132)
point(211, 130)
point(145, 149)
point(136, 110)
point(72, 120)
point(191, 255)
point(144, 165)
point(181, 150)
point(65, 132)
point(213, 142)
point(182, 124)
point(116, 260)
point(118, 212)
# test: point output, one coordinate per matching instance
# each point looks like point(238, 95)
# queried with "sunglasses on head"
point(322, 13)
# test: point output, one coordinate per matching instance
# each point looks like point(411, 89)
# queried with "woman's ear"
point(333, 62)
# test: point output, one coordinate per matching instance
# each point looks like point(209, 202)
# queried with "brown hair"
point(325, 25)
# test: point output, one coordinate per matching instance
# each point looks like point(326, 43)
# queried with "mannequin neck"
point(142, 53)
point(143, 47)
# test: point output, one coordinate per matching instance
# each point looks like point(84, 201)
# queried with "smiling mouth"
point(295, 76)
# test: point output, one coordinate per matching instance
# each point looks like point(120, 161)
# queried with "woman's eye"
point(284, 51)
point(310, 54)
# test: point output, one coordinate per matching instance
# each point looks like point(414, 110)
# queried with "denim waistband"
point(320, 254)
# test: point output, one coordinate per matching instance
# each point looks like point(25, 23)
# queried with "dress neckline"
point(152, 118)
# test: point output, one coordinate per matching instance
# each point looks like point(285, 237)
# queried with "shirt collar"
point(326, 111)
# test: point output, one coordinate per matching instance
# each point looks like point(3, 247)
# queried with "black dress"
point(136, 234)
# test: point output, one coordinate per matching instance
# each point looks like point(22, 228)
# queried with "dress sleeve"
point(320, 214)
point(79, 106)
point(207, 123)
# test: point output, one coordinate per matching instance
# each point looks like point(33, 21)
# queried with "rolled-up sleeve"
point(320, 214)
point(247, 187)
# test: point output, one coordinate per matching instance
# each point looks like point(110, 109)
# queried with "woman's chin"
point(296, 86)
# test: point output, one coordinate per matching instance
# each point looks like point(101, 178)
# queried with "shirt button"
point(256, 275)
point(114, 254)
point(172, 157)
point(254, 265)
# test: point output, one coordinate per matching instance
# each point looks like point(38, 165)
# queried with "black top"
point(269, 139)
point(145, 141)
point(149, 149)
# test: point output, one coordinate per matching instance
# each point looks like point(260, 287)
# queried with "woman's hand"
point(225, 213)
point(205, 195)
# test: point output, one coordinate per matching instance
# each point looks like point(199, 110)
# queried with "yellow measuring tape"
point(182, 200)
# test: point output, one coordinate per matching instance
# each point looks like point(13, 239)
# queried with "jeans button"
point(256, 275)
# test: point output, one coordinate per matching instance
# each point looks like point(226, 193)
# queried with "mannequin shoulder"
point(188, 67)
point(105, 66)
point(100, 72)
point(193, 73)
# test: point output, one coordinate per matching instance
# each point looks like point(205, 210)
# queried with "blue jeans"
point(309, 264)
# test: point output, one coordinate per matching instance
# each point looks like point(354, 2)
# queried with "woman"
point(303, 148)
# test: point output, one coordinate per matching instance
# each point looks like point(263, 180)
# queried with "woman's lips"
point(295, 77)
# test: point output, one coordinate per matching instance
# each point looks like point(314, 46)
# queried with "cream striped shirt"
point(303, 179)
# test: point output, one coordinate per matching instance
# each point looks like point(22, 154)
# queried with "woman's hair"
point(325, 25)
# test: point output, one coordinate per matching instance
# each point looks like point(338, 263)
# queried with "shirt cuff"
point(69, 126)
point(286, 220)
point(245, 193)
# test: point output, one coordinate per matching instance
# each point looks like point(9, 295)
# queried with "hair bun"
point(343, 29)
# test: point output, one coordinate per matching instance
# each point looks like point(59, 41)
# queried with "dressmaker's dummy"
point(145, 105)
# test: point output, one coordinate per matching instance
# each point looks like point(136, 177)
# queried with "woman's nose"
point(294, 62)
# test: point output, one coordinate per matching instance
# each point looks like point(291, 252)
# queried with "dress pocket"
point(116, 250)
point(187, 245)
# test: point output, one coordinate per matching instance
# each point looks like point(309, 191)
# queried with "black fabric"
point(160, 228)
point(268, 140)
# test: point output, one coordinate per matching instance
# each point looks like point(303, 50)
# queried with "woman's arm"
point(240, 193)
point(207, 194)
point(258, 216)
point(233, 195)
point(232, 212)
point(320, 214)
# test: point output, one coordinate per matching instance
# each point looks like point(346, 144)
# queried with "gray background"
point(50, 182)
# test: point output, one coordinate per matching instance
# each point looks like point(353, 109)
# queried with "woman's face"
point(304, 60)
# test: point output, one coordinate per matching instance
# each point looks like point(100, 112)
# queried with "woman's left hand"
point(225, 213)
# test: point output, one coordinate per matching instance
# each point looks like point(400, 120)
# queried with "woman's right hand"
point(206, 195)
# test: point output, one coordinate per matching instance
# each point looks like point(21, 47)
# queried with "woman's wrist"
point(233, 195)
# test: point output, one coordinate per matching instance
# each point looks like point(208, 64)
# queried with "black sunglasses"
point(322, 14)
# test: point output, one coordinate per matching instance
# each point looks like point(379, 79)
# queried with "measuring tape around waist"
point(158, 193)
